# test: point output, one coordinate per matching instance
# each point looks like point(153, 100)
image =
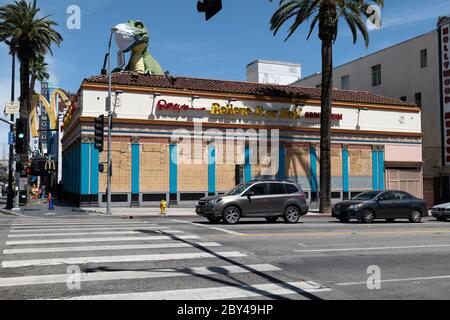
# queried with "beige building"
point(182, 138)
point(409, 71)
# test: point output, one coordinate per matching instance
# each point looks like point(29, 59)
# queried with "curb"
point(10, 213)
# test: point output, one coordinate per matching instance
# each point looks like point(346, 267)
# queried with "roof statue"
point(134, 37)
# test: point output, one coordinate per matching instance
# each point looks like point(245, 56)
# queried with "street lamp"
point(110, 116)
point(358, 127)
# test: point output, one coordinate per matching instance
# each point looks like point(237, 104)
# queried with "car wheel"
point(344, 220)
point(272, 219)
point(231, 215)
point(415, 216)
point(441, 219)
point(291, 214)
point(368, 216)
point(214, 220)
point(390, 220)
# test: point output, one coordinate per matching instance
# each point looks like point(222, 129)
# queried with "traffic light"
point(20, 136)
point(99, 133)
point(209, 7)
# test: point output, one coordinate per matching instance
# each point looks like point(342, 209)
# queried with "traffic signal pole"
point(10, 198)
point(110, 115)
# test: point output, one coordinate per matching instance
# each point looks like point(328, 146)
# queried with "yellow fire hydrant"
point(163, 207)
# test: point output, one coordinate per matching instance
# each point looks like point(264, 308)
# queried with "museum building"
point(180, 138)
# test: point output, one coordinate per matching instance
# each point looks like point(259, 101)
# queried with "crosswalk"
point(113, 259)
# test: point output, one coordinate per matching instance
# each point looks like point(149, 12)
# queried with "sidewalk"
point(40, 209)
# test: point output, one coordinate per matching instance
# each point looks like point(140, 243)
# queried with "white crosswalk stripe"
point(111, 251)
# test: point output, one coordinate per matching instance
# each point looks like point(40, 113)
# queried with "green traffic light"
point(21, 136)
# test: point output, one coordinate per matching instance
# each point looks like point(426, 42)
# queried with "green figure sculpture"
point(134, 37)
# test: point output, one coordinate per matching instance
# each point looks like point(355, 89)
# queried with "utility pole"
point(10, 198)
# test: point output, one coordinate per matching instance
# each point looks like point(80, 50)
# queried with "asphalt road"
point(188, 258)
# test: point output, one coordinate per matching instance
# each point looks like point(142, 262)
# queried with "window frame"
point(376, 75)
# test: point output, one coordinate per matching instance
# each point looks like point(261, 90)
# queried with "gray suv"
point(256, 199)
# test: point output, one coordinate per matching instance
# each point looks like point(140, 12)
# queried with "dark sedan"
point(388, 205)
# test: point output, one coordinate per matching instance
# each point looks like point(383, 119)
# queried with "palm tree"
point(327, 13)
point(39, 71)
point(33, 36)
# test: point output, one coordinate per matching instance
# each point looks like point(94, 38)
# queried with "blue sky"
point(185, 44)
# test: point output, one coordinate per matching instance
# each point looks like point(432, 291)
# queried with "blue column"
point(95, 161)
point(381, 168)
point(282, 163)
point(313, 168)
point(345, 170)
point(173, 171)
point(135, 168)
point(375, 170)
point(247, 166)
point(85, 168)
point(211, 169)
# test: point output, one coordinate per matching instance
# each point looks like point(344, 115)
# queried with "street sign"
point(11, 138)
point(23, 183)
point(12, 107)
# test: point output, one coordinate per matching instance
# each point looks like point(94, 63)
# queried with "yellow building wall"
point(154, 167)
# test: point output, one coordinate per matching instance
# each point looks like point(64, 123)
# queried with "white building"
point(410, 71)
point(273, 72)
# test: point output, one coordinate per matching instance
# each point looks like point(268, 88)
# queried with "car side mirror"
point(250, 194)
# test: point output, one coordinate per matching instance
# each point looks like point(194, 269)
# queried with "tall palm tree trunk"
point(25, 104)
point(327, 33)
point(325, 127)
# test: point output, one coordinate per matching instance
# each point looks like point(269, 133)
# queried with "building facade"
point(183, 138)
point(410, 71)
point(273, 72)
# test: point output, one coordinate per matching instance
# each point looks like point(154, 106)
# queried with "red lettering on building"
point(164, 105)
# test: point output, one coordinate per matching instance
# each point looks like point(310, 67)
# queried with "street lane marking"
point(104, 239)
point(212, 228)
point(321, 234)
point(215, 293)
point(376, 248)
point(19, 231)
point(118, 259)
point(395, 280)
point(166, 230)
point(130, 275)
point(76, 224)
point(110, 247)
point(68, 227)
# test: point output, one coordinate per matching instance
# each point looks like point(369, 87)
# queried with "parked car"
point(389, 205)
point(441, 212)
point(256, 199)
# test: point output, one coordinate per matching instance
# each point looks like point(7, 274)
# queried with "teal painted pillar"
point(345, 170)
point(375, 169)
point(173, 170)
point(135, 168)
point(95, 161)
point(282, 163)
point(313, 168)
point(381, 168)
point(247, 166)
point(85, 170)
point(211, 169)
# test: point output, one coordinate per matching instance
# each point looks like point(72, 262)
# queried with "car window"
point(366, 196)
point(238, 189)
point(402, 196)
point(277, 188)
point(387, 196)
point(291, 188)
point(259, 189)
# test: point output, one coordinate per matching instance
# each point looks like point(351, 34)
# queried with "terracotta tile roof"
point(239, 87)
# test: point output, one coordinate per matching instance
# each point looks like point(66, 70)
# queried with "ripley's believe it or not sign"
point(245, 112)
point(445, 65)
